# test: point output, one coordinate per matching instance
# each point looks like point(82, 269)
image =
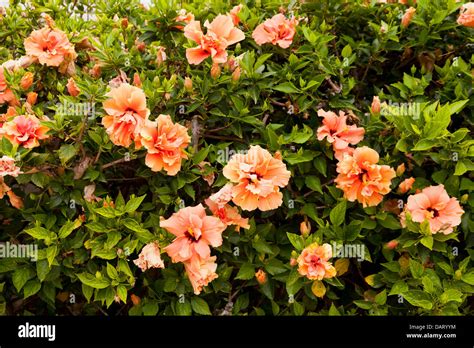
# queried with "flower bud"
point(305, 228)
point(136, 80)
point(26, 80)
point(375, 107)
point(236, 74)
point(135, 299)
point(293, 262)
point(31, 98)
point(140, 45)
point(160, 55)
point(215, 71)
point(72, 88)
point(261, 276)
point(392, 244)
point(400, 169)
point(188, 84)
point(125, 23)
point(408, 16)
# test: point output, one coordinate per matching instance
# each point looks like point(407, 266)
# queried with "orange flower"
point(201, 272)
point(466, 16)
point(6, 94)
point(127, 112)
point(234, 13)
point(8, 167)
point(314, 262)
point(408, 16)
point(406, 185)
point(362, 179)
point(49, 46)
point(194, 232)
point(261, 276)
point(338, 133)
point(221, 33)
point(258, 177)
point(26, 80)
point(25, 131)
point(31, 98)
point(165, 142)
point(72, 88)
point(434, 204)
point(15, 200)
point(229, 215)
point(277, 30)
point(149, 257)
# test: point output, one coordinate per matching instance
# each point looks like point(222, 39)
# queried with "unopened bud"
point(26, 80)
point(188, 84)
point(215, 71)
point(261, 276)
point(305, 228)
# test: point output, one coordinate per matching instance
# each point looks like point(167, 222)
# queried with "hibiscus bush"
point(254, 158)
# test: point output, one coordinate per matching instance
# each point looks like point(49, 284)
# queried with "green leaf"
point(338, 213)
point(451, 295)
point(88, 291)
point(66, 152)
point(21, 276)
point(150, 308)
point(183, 308)
point(424, 144)
point(416, 269)
point(381, 298)
point(92, 281)
point(418, 298)
point(31, 288)
point(68, 227)
point(246, 272)
point(38, 233)
point(201, 155)
point(51, 253)
point(133, 204)
point(200, 306)
point(468, 277)
point(427, 241)
point(143, 234)
point(286, 87)
point(399, 287)
point(122, 293)
point(40, 179)
point(313, 182)
point(296, 240)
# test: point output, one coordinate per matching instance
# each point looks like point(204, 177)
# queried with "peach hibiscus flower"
point(277, 30)
point(338, 133)
point(258, 177)
point(6, 94)
point(49, 46)
point(194, 231)
point(127, 112)
point(314, 264)
point(25, 131)
point(362, 179)
point(406, 185)
point(201, 272)
point(229, 215)
point(8, 167)
point(221, 33)
point(434, 204)
point(466, 16)
point(183, 16)
point(149, 257)
point(165, 142)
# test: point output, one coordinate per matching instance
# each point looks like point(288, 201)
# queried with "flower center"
point(433, 212)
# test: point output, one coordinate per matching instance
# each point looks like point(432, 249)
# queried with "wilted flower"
point(8, 167)
point(406, 185)
point(150, 257)
point(201, 272)
point(72, 88)
point(408, 16)
point(261, 276)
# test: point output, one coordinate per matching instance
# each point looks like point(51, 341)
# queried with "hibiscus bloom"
point(165, 142)
point(221, 33)
point(277, 30)
point(434, 204)
point(49, 46)
point(258, 177)
point(150, 257)
point(229, 215)
point(127, 112)
point(24, 130)
point(466, 16)
point(314, 264)
point(183, 16)
point(6, 94)
point(362, 179)
point(201, 272)
point(194, 231)
point(8, 167)
point(338, 133)
point(406, 185)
